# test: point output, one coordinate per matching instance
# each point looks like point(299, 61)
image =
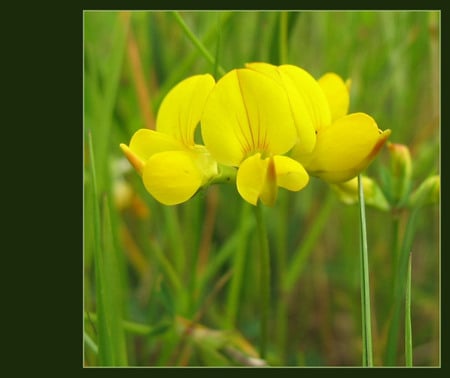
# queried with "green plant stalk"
point(197, 43)
point(111, 339)
point(399, 288)
point(238, 269)
point(90, 343)
point(186, 63)
point(365, 285)
point(280, 255)
point(283, 37)
point(264, 261)
point(175, 236)
point(408, 326)
point(296, 266)
point(132, 327)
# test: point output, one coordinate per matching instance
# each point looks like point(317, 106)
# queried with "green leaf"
point(111, 338)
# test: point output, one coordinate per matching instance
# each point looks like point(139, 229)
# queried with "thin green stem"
point(283, 37)
point(296, 266)
point(264, 260)
point(281, 252)
point(365, 286)
point(175, 236)
point(90, 343)
point(239, 259)
point(132, 327)
point(408, 327)
point(197, 43)
point(400, 287)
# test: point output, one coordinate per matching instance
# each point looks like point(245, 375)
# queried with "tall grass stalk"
point(264, 263)
point(198, 44)
point(400, 286)
point(408, 325)
point(111, 338)
point(238, 264)
point(367, 358)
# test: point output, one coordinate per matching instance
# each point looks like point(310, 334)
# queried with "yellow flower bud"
point(401, 170)
point(347, 192)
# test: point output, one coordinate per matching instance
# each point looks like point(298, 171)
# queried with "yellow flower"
point(172, 165)
point(247, 123)
point(345, 144)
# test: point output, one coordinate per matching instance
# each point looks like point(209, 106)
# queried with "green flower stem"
point(264, 260)
point(226, 175)
point(197, 43)
point(408, 327)
point(365, 286)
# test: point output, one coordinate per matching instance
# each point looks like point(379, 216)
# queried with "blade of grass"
point(408, 326)
point(200, 46)
point(183, 66)
point(296, 266)
point(238, 265)
point(264, 261)
point(107, 71)
point(281, 268)
point(136, 328)
point(282, 43)
point(111, 340)
point(399, 288)
point(90, 343)
point(365, 285)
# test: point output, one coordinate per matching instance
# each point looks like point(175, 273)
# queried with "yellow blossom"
point(172, 165)
point(247, 124)
point(345, 144)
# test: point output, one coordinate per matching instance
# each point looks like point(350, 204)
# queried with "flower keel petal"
point(290, 174)
point(172, 177)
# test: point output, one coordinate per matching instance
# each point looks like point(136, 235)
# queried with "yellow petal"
point(303, 117)
point(290, 174)
point(181, 109)
point(260, 178)
point(313, 102)
point(345, 148)
point(145, 143)
point(172, 177)
point(247, 112)
point(250, 178)
point(337, 94)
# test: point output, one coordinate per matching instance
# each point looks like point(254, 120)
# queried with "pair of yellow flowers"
point(275, 124)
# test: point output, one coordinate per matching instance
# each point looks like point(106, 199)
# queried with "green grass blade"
point(104, 69)
point(408, 326)
point(238, 264)
point(111, 339)
point(200, 46)
point(264, 261)
point(296, 266)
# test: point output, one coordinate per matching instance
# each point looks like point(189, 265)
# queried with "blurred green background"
point(197, 261)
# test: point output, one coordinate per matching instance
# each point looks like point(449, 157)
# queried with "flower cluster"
point(273, 125)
